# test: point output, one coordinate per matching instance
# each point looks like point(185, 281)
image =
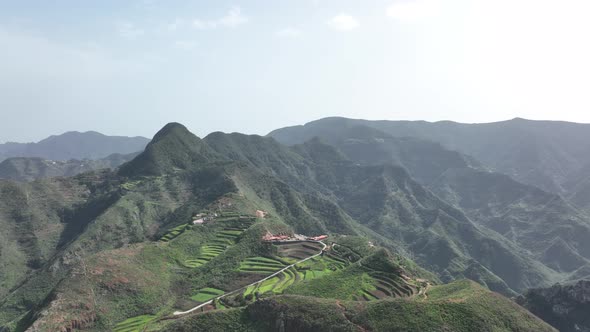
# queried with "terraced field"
point(389, 286)
point(290, 253)
point(319, 266)
point(206, 294)
point(223, 239)
point(298, 250)
point(315, 267)
point(208, 252)
point(262, 265)
point(275, 284)
point(338, 270)
point(135, 324)
point(174, 232)
point(375, 284)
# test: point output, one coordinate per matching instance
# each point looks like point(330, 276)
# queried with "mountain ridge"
point(546, 154)
point(74, 145)
point(122, 246)
point(32, 168)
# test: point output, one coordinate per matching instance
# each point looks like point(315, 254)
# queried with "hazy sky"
point(129, 67)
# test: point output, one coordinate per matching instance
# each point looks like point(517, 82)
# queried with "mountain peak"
point(172, 128)
point(173, 148)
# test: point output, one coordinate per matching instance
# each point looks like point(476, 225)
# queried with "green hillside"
point(172, 148)
point(459, 306)
point(32, 219)
point(118, 250)
point(541, 225)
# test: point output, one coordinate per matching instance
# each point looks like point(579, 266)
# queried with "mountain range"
point(74, 145)
point(546, 225)
point(551, 155)
point(32, 168)
point(412, 211)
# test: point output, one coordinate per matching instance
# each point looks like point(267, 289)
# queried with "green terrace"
point(330, 275)
point(208, 252)
point(222, 240)
point(387, 285)
point(276, 284)
point(262, 265)
point(174, 232)
point(298, 251)
point(317, 267)
point(135, 324)
point(313, 268)
point(331, 278)
point(206, 294)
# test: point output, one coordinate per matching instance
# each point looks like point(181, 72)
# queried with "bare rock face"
point(566, 307)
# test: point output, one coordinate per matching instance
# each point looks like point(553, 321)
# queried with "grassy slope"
point(112, 286)
point(459, 306)
point(30, 219)
point(115, 219)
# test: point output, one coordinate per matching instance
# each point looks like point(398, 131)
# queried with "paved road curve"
point(254, 283)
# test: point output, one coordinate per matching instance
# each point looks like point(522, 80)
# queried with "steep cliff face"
point(566, 307)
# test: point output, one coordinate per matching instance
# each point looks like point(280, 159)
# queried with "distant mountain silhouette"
point(74, 145)
point(32, 168)
point(551, 155)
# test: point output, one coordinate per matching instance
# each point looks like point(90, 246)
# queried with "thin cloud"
point(288, 32)
point(343, 22)
point(414, 10)
point(232, 19)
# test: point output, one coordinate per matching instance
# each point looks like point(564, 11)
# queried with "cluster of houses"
point(201, 218)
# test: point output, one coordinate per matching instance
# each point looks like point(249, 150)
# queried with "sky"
point(130, 67)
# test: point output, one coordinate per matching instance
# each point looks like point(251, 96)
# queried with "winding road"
point(177, 313)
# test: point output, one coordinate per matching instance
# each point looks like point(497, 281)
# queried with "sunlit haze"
point(128, 67)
